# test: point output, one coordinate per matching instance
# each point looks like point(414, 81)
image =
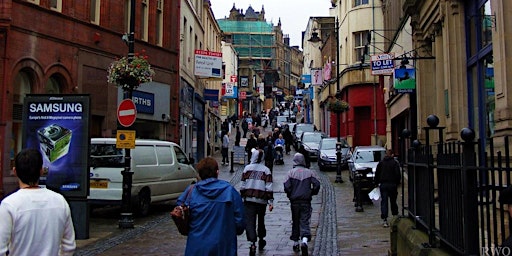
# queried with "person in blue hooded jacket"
point(216, 213)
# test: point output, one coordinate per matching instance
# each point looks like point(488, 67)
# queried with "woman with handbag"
point(216, 213)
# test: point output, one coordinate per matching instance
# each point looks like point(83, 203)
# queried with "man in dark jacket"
point(300, 186)
point(387, 177)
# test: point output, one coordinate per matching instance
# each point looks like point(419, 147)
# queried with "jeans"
point(388, 191)
point(301, 217)
point(255, 211)
point(225, 158)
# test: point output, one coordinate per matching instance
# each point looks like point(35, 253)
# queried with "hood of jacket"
point(298, 159)
point(254, 157)
point(211, 187)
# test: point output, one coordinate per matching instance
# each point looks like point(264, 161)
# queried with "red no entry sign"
point(126, 113)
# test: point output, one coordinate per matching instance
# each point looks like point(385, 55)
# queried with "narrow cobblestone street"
point(337, 228)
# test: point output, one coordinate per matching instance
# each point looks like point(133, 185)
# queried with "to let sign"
point(383, 64)
point(126, 113)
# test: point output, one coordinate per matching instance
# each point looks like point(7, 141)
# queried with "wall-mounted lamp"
point(314, 37)
point(404, 62)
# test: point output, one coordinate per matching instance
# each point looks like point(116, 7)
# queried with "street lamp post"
point(314, 38)
point(338, 114)
point(126, 218)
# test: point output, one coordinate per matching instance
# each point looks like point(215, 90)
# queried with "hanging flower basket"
point(337, 106)
point(129, 75)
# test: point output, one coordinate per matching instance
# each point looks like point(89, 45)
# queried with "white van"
point(161, 172)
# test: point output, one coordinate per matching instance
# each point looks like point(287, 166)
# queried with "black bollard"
point(232, 161)
point(358, 180)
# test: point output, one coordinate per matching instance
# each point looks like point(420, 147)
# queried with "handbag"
point(181, 214)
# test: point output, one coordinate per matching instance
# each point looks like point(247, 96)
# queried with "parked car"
point(311, 142)
point(161, 172)
point(327, 154)
point(364, 159)
point(299, 129)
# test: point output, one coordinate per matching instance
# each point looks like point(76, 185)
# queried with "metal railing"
point(453, 192)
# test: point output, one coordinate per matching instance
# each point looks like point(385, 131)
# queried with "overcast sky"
point(294, 14)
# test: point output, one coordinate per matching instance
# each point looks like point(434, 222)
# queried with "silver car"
point(327, 154)
point(365, 158)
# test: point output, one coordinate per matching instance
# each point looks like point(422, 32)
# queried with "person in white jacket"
point(256, 191)
point(34, 220)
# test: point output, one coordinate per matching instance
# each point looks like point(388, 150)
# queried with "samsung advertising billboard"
point(58, 125)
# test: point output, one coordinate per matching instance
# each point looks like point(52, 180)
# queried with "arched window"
point(23, 84)
point(53, 85)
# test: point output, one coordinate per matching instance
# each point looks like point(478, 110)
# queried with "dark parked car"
point(327, 154)
point(299, 129)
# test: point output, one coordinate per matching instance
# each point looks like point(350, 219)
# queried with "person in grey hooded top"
point(300, 186)
point(256, 191)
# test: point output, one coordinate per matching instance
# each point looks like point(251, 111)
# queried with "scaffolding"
point(253, 40)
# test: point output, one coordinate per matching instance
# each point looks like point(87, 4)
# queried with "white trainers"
point(385, 224)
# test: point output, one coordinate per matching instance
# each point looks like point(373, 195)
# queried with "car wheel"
point(143, 202)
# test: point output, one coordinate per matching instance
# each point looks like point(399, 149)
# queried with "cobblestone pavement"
point(337, 229)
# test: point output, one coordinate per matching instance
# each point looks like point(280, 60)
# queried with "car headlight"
point(324, 156)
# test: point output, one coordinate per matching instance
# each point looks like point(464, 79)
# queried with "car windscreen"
point(314, 137)
point(369, 156)
point(106, 155)
point(305, 128)
point(328, 144)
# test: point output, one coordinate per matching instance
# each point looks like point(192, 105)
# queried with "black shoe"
point(261, 244)
point(252, 250)
point(296, 248)
point(304, 249)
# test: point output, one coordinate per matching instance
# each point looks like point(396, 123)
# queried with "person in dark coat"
point(269, 152)
point(238, 136)
point(251, 144)
point(300, 186)
point(288, 139)
point(387, 177)
point(245, 127)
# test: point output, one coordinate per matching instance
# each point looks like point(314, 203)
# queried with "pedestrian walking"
point(387, 178)
point(269, 152)
point(288, 138)
point(34, 220)
point(252, 143)
point(216, 213)
point(225, 148)
point(300, 186)
point(256, 190)
point(238, 136)
point(245, 126)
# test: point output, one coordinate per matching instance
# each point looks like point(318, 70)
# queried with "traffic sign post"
point(126, 113)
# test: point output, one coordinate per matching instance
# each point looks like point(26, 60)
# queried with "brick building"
point(65, 47)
